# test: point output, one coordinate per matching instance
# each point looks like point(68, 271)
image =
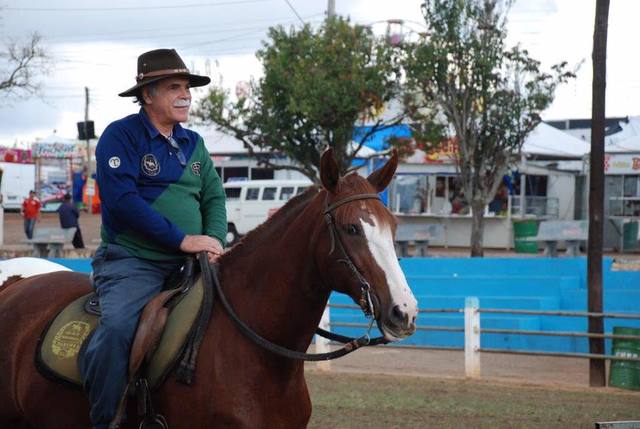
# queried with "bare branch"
point(21, 64)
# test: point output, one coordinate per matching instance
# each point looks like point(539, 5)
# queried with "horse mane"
point(271, 226)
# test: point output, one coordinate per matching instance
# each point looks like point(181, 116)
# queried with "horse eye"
point(353, 229)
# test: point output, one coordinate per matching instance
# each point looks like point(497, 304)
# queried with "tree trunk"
point(477, 228)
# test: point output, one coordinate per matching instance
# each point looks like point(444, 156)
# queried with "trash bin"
point(522, 230)
point(624, 373)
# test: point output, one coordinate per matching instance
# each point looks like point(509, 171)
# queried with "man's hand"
point(202, 243)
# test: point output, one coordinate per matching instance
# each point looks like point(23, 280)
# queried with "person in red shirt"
point(31, 213)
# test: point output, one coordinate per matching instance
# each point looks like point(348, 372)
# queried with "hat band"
point(141, 76)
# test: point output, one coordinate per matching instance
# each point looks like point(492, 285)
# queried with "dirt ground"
point(375, 401)
point(561, 372)
point(14, 228)
point(566, 373)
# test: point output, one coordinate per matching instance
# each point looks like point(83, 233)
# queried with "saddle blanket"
point(61, 342)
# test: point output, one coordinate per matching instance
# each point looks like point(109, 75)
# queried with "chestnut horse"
point(277, 279)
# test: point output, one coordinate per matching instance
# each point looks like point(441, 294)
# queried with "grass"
point(378, 401)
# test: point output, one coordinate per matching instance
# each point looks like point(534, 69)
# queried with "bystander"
point(31, 213)
point(69, 215)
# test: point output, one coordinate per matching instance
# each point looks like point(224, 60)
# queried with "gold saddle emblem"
point(68, 340)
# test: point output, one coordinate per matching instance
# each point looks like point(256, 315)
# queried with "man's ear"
point(146, 95)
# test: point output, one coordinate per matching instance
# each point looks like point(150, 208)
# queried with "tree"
point(20, 63)
point(463, 84)
point(317, 85)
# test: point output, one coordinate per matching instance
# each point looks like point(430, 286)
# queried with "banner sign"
point(20, 156)
point(621, 164)
point(54, 150)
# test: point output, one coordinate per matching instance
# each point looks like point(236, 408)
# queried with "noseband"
point(366, 300)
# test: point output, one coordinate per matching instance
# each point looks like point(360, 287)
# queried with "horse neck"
point(273, 283)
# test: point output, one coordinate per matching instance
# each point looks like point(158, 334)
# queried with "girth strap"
point(187, 366)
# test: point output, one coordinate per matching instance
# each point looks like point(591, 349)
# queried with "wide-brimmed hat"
point(159, 64)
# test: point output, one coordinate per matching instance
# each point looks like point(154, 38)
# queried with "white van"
point(16, 182)
point(251, 202)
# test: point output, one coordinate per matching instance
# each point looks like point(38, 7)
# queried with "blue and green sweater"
point(149, 200)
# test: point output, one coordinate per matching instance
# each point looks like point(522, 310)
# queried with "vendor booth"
point(427, 190)
point(53, 157)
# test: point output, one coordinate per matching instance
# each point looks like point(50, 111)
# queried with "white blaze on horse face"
point(380, 243)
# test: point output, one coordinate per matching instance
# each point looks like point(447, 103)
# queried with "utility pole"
point(597, 376)
point(89, 184)
point(331, 8)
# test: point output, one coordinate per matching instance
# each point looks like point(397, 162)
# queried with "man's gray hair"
point(152, 88)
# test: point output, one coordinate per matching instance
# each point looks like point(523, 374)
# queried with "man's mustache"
point(182, 103)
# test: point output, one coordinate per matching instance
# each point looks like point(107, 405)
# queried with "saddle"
point(167, 325)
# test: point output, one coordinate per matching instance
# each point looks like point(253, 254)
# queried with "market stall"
point(54, 157)
point(427, 189)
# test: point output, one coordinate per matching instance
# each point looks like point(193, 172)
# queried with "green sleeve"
point(213, 199)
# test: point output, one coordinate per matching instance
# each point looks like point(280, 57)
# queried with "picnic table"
point(49, 242)
point(418, 234)
point(572, 232)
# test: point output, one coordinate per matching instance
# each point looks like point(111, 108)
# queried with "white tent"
point(546, 140)
point(629, 128)
point(54, 138)
point(631, 144)
point(219, 143)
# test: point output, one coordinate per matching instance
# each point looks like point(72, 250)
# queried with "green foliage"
point(463, 83)
point(317, 85)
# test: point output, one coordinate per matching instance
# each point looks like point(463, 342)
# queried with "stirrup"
point(155, 422)
point(151, 419)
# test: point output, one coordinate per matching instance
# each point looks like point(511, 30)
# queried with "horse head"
point(358, 253)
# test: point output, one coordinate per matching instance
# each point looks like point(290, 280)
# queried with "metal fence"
point(472, 330)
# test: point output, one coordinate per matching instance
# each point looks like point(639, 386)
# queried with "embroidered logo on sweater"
point(114, 162)
point(195, 168)
point(150, 165)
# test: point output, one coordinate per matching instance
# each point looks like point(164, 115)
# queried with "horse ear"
point(381, 178)
point(329, 172)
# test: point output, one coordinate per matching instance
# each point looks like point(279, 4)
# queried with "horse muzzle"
point(398, 323)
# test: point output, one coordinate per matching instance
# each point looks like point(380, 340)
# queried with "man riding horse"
point(161, 199)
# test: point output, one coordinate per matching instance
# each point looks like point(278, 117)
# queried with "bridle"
point(210, 274)
point(366, 300)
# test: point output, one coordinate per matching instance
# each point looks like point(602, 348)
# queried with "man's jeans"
point(124, 284)
point(29, 224)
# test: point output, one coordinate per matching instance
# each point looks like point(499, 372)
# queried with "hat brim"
point(194, 81)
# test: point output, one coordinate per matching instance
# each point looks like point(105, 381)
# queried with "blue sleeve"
point(118, 164)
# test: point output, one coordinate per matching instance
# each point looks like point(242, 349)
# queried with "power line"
point(107, 9)
point(187, 34)
point(219, 28)
point(295, 11)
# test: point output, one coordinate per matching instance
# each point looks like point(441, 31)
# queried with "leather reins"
point(367, 300)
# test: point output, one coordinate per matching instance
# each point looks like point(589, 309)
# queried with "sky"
point(96, 43)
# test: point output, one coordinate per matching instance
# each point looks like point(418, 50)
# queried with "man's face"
point(169, 103)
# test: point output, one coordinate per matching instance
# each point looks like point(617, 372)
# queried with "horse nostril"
point(398, 316)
